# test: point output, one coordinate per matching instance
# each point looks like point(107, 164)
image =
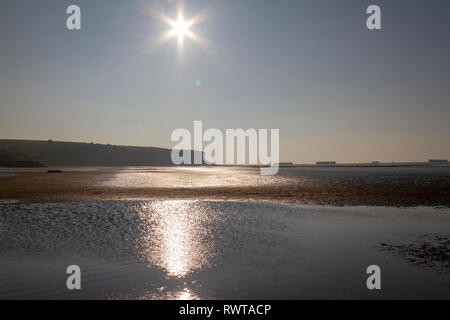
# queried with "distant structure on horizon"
point(285, 164)
point(325, 163)
point(431, 162)
point(437, 161)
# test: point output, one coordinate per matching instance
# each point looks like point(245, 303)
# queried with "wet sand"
point(231, 184)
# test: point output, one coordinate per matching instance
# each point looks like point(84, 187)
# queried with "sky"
point(311, 68)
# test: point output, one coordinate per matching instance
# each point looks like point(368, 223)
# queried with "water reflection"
point(175, 236)
point(186, 294)
point(160, 294)
point(193, 177)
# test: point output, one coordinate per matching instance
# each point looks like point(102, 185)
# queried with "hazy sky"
point(311, 68)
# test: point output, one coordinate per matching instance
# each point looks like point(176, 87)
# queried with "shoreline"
point(97, 186)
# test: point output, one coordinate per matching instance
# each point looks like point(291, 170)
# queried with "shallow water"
point(197, 250)
point(179, 177)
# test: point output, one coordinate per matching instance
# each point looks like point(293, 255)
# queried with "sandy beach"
point(407, 187)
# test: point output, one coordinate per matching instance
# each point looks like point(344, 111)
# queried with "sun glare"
point(180, 28)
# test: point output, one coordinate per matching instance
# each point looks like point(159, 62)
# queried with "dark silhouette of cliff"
point(57, 153)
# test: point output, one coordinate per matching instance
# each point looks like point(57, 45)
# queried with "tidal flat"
point(225, 233)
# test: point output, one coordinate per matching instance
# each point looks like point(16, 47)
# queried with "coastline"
point(205, 184)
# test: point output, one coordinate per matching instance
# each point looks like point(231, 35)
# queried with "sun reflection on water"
point(175, 236)
point(160, 294)
point(186, 294)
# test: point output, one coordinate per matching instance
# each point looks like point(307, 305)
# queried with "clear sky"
point(311, 68)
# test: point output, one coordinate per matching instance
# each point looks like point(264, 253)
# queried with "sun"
point(180, 28)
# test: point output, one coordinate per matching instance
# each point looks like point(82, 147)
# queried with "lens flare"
point(180, 28)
